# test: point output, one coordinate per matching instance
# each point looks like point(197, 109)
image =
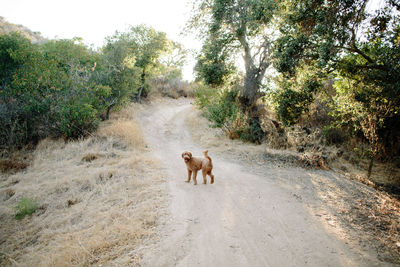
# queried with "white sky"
point(94, 20)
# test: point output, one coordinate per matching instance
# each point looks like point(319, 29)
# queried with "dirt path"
point(247, 218)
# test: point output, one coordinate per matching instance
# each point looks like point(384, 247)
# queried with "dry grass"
point(127, 130)
point(166, 87)
point(99, 198)
point(7, 165)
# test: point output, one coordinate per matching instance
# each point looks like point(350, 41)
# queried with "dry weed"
point(166, 87)
point(90, 157)
point(7, 165)
point(127, 130)
point(91, 212)
point(313, 160)
point(126, 113)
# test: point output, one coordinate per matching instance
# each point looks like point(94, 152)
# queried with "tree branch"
point(358, 51)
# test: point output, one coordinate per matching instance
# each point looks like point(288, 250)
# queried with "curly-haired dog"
point(194, 164)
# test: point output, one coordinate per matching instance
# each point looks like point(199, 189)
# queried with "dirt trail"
point(246, 218)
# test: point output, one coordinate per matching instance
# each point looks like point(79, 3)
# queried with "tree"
point(148, 45)
point(214, 64)
point(116, 69)
point(171, 63)
point(229, 28)
point(235, 26)
point(175, 56)
point(355, 46)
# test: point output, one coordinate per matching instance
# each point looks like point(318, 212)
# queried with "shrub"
point(49, 90)
point(25, 206)
point(221, 108)
point(203, 94)
point(222, 111)
point(251, 131)
point(334, 135)
point(170, 86)
point(76, 119)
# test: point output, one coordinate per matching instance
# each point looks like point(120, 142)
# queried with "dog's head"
point(186, 155)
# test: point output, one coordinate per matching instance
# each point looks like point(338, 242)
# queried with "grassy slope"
point(99, 198)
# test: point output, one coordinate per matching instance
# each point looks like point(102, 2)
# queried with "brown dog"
point(194, 164)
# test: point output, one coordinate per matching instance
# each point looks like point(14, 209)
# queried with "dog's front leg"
point(189, 176)
point(194, 177)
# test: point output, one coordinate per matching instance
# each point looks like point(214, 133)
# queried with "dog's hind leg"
point(212, 177)
point(204, 172)
point(189, 176)
point(194, 177)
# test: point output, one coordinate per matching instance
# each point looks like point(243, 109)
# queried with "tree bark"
point(254, 74)
point(141, 87)
point(371, 163)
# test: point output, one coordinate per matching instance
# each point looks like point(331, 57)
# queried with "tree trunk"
point(250, 92)
point(371, 163)
point(253, 77)
point(108, 112)
point(141, 87)
point(248, 98)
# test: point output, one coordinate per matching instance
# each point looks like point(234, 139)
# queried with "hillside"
point(7, 27)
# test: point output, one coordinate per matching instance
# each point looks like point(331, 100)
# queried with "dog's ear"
point(190, 154)
point(183, 153)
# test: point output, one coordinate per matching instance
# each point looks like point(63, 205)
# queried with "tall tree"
point(229, 28)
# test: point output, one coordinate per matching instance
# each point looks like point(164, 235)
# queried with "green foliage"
point(356, 47)
point(203, 94)
point(49, 92)
point(295, 95)
point(76, 119)
point(366, 109)
point(214, 65)
point(291, 105)
point(61, 88)
point(222, 109)
point(132, 56)
point(229, 28)
point(9, 46)
point(25, 206)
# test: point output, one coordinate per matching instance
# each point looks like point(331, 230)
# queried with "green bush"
point(203, 94)
point(49, 90)
point(221, 108)
point(61, 88)
point(25, 206)
point(76, 119)
point(251, 131)
point(295, 96)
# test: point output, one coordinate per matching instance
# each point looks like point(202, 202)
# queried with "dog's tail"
point(205, 153)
